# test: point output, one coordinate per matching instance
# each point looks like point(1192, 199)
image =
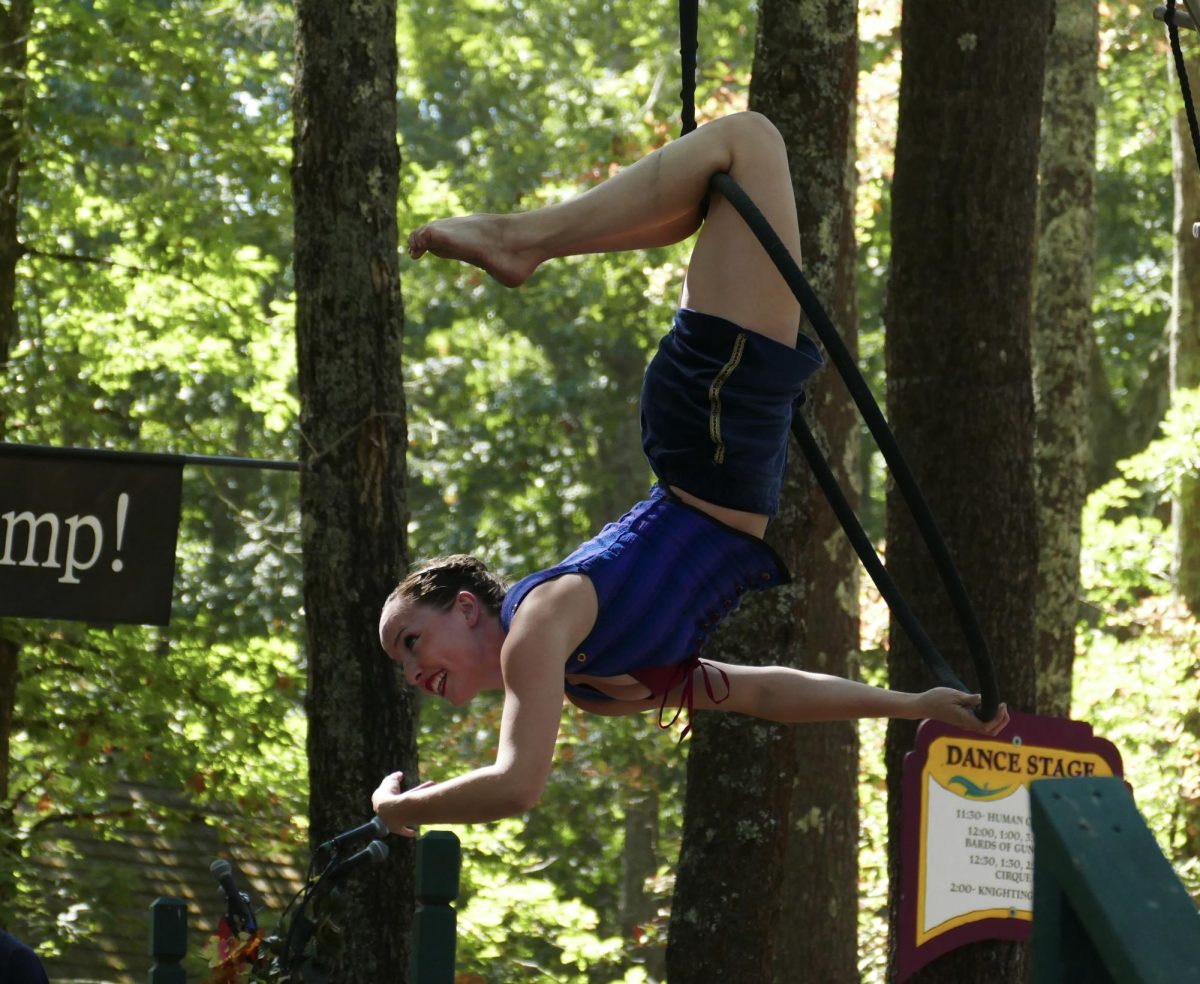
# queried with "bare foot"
point(479, 240)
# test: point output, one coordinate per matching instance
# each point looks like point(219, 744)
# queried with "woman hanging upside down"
point(622, 621)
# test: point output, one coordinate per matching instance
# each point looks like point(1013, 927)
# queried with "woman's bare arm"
point(791, 696)
point(532, 661)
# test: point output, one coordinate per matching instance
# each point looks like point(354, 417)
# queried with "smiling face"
point(451, 653)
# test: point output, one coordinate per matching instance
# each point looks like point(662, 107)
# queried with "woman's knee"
point(756, 131)
point(756, 146)
point(746, 129)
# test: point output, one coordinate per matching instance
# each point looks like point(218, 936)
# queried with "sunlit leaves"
point(154, 204)
point(1136, 677)
point(510, 107)
point(1129, 546)
point(1136, 682)
point(1175, 454)
point(1133, 192)
point(505, 897)
point(154, 314)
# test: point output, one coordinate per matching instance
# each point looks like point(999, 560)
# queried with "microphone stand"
point(290, 954)
point(322, 892)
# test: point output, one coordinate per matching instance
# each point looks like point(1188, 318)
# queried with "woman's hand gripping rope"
point(956, 708)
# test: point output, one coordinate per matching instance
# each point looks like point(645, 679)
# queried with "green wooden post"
point(439, 859)
point(1107, 905)
point(168, 940)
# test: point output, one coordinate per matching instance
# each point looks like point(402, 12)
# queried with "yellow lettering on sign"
point(981, 770)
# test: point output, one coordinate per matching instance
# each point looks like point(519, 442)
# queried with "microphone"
point(241, 916)
point(373, 853)
point(375, 827)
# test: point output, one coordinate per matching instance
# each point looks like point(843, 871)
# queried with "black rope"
point(866, 553)
point(905, 481)
point(689, 16)
point(1181, 71)
point(689, 25)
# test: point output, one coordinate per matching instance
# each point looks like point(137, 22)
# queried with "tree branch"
point(104, 261)
point(66, 819)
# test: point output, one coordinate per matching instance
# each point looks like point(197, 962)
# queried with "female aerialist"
point(621, 622)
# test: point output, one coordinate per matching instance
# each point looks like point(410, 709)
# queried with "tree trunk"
point(740, 775)
point(959, 363)
point(1061, 331)
point(739, 786)
point(805, 80)
point(1185, 337)
point(744, 776)
point(15, 19)
point(639, 861)
point(1115, 433)
point(349, 328)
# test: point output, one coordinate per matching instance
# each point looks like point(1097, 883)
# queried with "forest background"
point(154, 310)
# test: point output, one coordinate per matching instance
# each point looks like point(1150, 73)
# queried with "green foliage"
point(130, 705)
point(878, 110)
point(155, 314)
point(520, 919)
point(494, 118)
point(1133, 193)
point(1129, 553)
point(872, 853)
point(506, 897)
point(1175, 454)
point(1127, 561)
point(156, 229)
point(571, 846)
point(1137, 683)
point(1137, 678)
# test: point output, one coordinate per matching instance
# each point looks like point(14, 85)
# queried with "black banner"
point(88, 538)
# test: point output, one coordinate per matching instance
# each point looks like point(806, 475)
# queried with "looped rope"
point(1181, 71)
point(689, 24)
point(848, 369)
point(905, 481)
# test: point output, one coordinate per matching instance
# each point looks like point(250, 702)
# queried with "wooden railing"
point(1107, 905)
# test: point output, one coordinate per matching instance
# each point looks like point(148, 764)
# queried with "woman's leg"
point(730, 274)
point(656, 202)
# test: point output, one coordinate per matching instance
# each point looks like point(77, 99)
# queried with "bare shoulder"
point(557, 614)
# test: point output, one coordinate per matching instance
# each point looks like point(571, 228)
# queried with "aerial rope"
point(1175, 19)
point(869, 408)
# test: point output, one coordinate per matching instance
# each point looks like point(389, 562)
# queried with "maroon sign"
point(966, 853)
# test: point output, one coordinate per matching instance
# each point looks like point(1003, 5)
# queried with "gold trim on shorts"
point(714, 397)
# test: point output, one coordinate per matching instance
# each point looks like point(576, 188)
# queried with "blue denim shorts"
point(717, 404)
